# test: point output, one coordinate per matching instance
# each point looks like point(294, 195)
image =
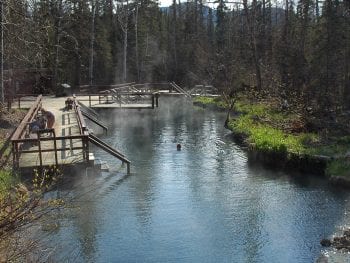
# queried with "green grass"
point(211, 101)
point(258, 123)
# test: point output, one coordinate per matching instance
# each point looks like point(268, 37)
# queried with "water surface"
point(205, 203)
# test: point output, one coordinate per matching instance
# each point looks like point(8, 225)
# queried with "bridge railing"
point(22, 128)
point(21, 138)
point(121, 98)
point(19, 100)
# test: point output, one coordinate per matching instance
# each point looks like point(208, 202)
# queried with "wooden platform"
point(66, 145)
point(65, 124)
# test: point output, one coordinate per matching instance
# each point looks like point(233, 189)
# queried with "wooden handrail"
point(105, 144)
point(110, 150)
point(81, 121)
point(96, 121)
point(27, 119)
point(57, 138)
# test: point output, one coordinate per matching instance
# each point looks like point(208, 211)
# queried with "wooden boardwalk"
point(67, 144)
point(66, 124)
point(65, 128)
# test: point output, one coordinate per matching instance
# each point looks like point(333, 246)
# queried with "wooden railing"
point(19, 99)
point(179, 89)
point(83, 138)
point(31, 114)
point(110, 97)
point(18, 139)
point(20, 132)
point(95, 120)
point(104, 146)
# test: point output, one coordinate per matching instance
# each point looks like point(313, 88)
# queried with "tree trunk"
point(251, 23)
point(92, 40)
point(137, 43)
point(58, 90)
point(175, 37)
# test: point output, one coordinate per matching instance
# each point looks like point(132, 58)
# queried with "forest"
point(295, 51)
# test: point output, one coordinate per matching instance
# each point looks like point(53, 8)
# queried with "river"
point(205, 203)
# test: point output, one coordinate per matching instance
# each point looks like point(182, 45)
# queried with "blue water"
point(205, 203)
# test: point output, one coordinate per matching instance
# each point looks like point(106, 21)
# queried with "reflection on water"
point(201, 204)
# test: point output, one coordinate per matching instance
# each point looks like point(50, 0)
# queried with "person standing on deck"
point(49, 116)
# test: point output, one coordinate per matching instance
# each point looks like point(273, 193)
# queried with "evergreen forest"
point(295, 51)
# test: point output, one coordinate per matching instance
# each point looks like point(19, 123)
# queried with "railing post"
point(86, 148)
point(40, 154)
point(157, 100)
point(152, 101)
point(128, 168)
point(55, 146)
point(19, 102)
point(89, 100)
point(15, 154)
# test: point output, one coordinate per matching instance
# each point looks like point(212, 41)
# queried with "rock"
point(326, 242)
point(347, 233)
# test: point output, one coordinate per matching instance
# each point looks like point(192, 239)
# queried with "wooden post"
point(55, 146)
point(157, 100)
point(152, 101)
point(19, 102)
point(128, 168)
point(15, 154)
point(86, 148)
point(40, 155)
point(99, 99)
point(89, 100)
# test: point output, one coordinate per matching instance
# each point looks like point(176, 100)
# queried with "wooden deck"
point(65, 145)
point(66, 124)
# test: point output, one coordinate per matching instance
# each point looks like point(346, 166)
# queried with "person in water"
point(50, 117)
point(178, 147)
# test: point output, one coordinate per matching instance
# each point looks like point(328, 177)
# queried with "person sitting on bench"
point(50, 117)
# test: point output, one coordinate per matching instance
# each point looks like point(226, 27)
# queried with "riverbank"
point(280, 139)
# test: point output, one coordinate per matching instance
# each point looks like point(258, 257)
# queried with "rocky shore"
point(340, 243)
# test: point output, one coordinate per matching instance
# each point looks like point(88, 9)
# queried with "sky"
point(170, 2)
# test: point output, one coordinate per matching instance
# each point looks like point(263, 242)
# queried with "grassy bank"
point(210, 102)
point(267, 129)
